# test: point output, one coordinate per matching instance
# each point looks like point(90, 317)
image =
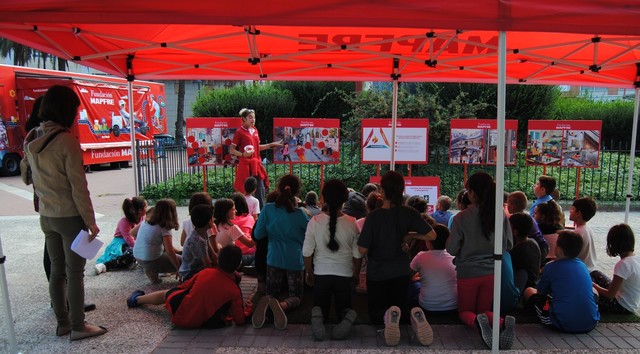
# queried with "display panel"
point(411, 143)
point(307, 140)
point(567, 143)
point(474, 141)
point(209, 139)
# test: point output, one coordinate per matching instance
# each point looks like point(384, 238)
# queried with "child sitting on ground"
point(548, 217)
point(437, 289)
point(442, 213)
point(250, 185)
point(198, 198)
point(195, 254)
point(622, 294)
point(224, 212)
point(119, 253)
point(517, 203)
point(462, 202)
point(154, 243)
point(542, 190)
point(525, 254)
point(211, 299)
point(564, 298)
point(246, 223)
point(581, 212)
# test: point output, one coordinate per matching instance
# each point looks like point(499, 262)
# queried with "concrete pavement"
point(148, 329)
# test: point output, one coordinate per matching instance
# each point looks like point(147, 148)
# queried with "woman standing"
point(471, 243)
point(246, 145)
point(54, 158)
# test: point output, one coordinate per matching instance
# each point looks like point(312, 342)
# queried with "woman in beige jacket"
point(53, 163)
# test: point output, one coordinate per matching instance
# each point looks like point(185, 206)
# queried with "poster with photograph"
point(474, 141)
point(425, 187)
point(412, 140)
point(307, 140)
point(209, 139)
point(566, 143)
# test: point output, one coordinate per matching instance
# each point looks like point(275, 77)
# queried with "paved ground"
point(149, 330)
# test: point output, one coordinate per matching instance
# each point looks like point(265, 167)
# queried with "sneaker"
point(421, 328)
point(279, 317)
point(317, 324)
point(132, 300)
point(100, 268)
point(260, 312)
point(342, 329)
point(508, 334)
point(392, 326)
point(482, 320)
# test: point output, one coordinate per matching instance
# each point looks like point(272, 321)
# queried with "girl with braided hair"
point(330, 252)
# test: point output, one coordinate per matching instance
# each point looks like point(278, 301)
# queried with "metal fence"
point(165, 168)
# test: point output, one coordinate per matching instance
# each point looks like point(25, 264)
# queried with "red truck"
point(104, 123)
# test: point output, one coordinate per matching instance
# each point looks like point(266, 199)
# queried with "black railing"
point(165, 168)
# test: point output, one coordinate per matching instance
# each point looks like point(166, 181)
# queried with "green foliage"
point(267, 100)
point(616, 116)
point(318, 98)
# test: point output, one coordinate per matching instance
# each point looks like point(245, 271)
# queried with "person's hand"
point(94, 230)
point(277, 143)
point(308, 278)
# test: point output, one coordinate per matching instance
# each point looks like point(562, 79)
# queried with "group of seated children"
point(435, 263)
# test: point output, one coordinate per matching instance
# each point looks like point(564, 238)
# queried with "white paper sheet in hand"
point(83, 247)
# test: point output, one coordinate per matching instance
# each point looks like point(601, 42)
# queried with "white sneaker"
point(100, 268)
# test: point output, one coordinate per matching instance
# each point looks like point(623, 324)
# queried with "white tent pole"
point(8, 318)
point(394, 115)
point(132, 124)
point(634, 134)
point(499, 211)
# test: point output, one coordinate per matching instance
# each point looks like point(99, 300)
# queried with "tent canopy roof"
point(411, 40)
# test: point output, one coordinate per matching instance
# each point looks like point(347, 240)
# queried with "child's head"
point(393, 188)
point(134, 209)
point(368, 188)
point(620, 240)
point(230, 258)
point(521, 225)
point(418, 203)
point(199, 198)
point(149, 213)
point(334, 194)
point(240, 203)
point(583, 209)
point(462, 200)
point(482, 191)
point(569, 243)
point(444, 203)
point(547, 213)
point(286, 145)
point(311, 198)
point(288, 187)
point(516, 202)
point(545, 185)
point(223, 211)
point(165, 214)
point(250, 185)
point(442, 234)
point(374, 201)
point(201, 216)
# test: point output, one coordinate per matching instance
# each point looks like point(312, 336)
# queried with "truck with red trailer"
point(103, 123)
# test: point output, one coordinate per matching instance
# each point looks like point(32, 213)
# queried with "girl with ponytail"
point(383, 239)
point(472, 244)
point(330, 252)
point(284, 224)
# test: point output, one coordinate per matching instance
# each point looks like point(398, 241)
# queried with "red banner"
point(307, 140)
point(474, 141)
point(567, 143)
point(209, 139)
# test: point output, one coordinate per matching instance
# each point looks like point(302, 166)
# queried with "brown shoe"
point(89, 330)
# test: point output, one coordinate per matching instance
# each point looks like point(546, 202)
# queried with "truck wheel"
point(11, 165)
point(116, 131)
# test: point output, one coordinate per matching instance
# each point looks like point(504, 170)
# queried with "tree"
point(180, 114)
point(22, 54)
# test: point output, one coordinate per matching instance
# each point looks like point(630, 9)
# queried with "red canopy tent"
point(571, 42)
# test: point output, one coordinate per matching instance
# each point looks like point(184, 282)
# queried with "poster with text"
point(425, 187)
point(209, 139)
point(474, 141)
point(567, 143)
point(307, 140)
point(412, 140)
